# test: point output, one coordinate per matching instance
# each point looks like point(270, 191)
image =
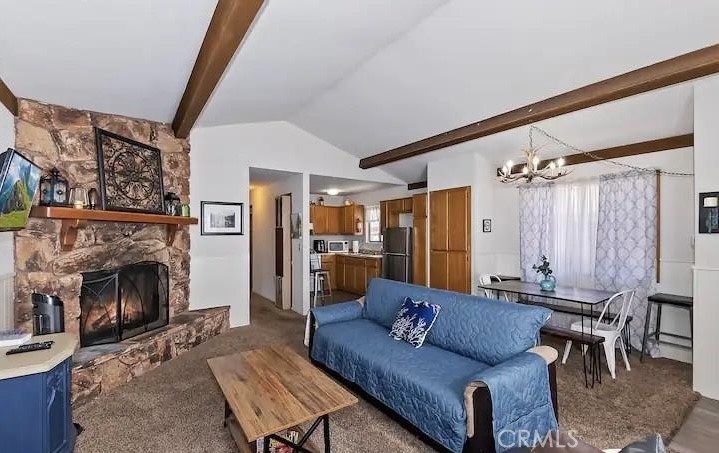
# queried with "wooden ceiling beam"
point(634, 149)
point(228, 27)
point(7, 98)
point(685, 67)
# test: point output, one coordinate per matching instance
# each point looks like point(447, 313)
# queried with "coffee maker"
point(320, 246)
point(47, 314)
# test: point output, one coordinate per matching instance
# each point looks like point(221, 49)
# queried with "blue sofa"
point(473, 381)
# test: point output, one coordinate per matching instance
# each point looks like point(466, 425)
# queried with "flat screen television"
point(19, 180)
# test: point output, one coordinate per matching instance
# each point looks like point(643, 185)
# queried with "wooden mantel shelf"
point(72, 219)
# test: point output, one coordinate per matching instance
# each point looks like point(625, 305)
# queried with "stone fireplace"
point(129, 318)
point(52, 135)
point(121, 303)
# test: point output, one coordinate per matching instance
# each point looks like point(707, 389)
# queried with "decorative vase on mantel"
point(549, 282)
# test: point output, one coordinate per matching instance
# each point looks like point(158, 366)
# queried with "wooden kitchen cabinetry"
point(353, 220)
point(329, 264)
point(419, 240)
point(337, 219)
point(450, 216)
point(391, 209)
point(354, 273)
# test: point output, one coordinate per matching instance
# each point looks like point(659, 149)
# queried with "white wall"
point(706, 270)
point(7, 140)
point(220, 161)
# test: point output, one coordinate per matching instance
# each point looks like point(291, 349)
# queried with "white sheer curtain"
point(560, 221)
point(574, 236)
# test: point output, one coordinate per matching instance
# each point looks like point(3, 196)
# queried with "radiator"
point(7, 299)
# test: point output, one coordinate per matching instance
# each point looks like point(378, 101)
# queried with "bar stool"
point(322, 286)
point(666, 299)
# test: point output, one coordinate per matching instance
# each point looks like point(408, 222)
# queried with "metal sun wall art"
point(130, 174)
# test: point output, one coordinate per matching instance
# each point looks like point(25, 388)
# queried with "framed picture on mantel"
point(130, 174)
point(221, 218)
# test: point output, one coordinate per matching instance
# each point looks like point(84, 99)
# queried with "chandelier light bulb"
point(505, 170)
point(552, 165)
point(560, 162)
point(510, 164)
point(525, 170)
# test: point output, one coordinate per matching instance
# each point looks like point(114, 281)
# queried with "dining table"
point(586, 303)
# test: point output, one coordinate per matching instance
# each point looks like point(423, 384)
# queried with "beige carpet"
point(178, 407)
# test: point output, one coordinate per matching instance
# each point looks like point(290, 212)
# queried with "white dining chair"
point(611, 331)
point(486, 279)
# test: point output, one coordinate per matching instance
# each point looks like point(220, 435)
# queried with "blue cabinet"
point(35, 412)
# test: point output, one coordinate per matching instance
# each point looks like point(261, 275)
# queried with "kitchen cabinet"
point(406, 205)
point(354, 273)
point(337, 220)
point(450, 216)
point(339, 280)
point(353, 215)
point(419, 239)
point(391, 209)
point(318, 217)
point(372, 270)
point(334, 220)
point(395, 209)
point(419, 205)
point(383, 215)
point(329, 264)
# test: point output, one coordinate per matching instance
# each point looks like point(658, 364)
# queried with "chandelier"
point(552, 170)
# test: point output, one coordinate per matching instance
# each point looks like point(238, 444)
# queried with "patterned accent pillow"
point(413, 321)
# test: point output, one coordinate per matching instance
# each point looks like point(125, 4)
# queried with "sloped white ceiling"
point(470, 60)
point(365, 75)
point(130, 57)
point(297, 50)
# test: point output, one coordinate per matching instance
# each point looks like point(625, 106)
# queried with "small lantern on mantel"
point(54, 189)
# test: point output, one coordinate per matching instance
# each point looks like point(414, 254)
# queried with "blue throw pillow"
point(413, 321)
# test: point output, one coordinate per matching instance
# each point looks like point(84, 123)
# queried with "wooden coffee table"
point(273, 389)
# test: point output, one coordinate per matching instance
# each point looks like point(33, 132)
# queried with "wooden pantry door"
point(450, 239)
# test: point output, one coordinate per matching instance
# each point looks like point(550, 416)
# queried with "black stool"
point(667, 299)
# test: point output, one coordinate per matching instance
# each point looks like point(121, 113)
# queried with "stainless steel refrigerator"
point(397, 254)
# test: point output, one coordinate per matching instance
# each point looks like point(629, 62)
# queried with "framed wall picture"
point(221, 218)
point(19, 181)
point(130, 174)
point(486, 225)
point(709, 213)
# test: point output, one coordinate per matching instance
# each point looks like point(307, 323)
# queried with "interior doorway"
point(276, 255)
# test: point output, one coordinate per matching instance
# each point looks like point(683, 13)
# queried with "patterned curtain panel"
point(626, 240)
point(536, 206)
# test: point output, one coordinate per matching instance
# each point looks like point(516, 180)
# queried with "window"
point(560, 221)
point(372, 218)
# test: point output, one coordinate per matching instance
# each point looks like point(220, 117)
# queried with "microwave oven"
point(338, 246)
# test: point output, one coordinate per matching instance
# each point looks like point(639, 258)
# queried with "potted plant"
point(549, 282)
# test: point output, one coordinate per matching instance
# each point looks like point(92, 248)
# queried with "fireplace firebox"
point(121, 303)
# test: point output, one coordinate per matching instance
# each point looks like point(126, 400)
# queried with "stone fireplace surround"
point(55, 136)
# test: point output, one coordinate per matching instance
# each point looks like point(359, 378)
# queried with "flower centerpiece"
point(549, 282)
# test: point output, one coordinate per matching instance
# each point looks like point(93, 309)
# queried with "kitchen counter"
point(17, 365)
point(356, 255)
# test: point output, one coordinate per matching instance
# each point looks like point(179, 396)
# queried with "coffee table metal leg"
point(326, 422)
point(299, 446)
point(266, 447)
point(227, 414)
